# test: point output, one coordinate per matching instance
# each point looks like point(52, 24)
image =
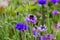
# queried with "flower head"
point(58, 25)
point(21, 26)
point(35, 32)
point(55, 12)
point(31, 18)
point(54, 1)
point(42, 28)
point(42, 38)
point(42, 2)
point(49, 36)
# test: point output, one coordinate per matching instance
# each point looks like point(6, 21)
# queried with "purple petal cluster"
point(46, 37)
point(31, 18)
point(21, 26)
point(42, 38)
point(35, 32)
point(54, 1)
point(58, 25)
point(49, 36)
point(42, 2)
point(55, 12)
point(42, 28)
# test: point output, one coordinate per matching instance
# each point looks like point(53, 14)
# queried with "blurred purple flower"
point(31, 18)
point(42, 28)
point(55, 12)
point(49, 36)
point(21, 26)
point(54, 1)
point(58, 25)
point(42, 2)
point(34, 29)
point(42, 38)
point(35, 32)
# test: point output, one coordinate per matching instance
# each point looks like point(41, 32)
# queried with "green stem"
point(21, 35)
point(34, 38)
point(43, 15)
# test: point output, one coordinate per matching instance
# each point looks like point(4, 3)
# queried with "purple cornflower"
point(58, 25)
point(42, 28)
point(21, 26)
point(35, 31)
point(42, 2)
point(54, 1)
point(31, 18)
point(42, 38)
point(55, 12)
point(49, 36)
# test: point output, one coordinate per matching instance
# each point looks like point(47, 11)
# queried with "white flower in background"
point(4, 3)
point(42, 28)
